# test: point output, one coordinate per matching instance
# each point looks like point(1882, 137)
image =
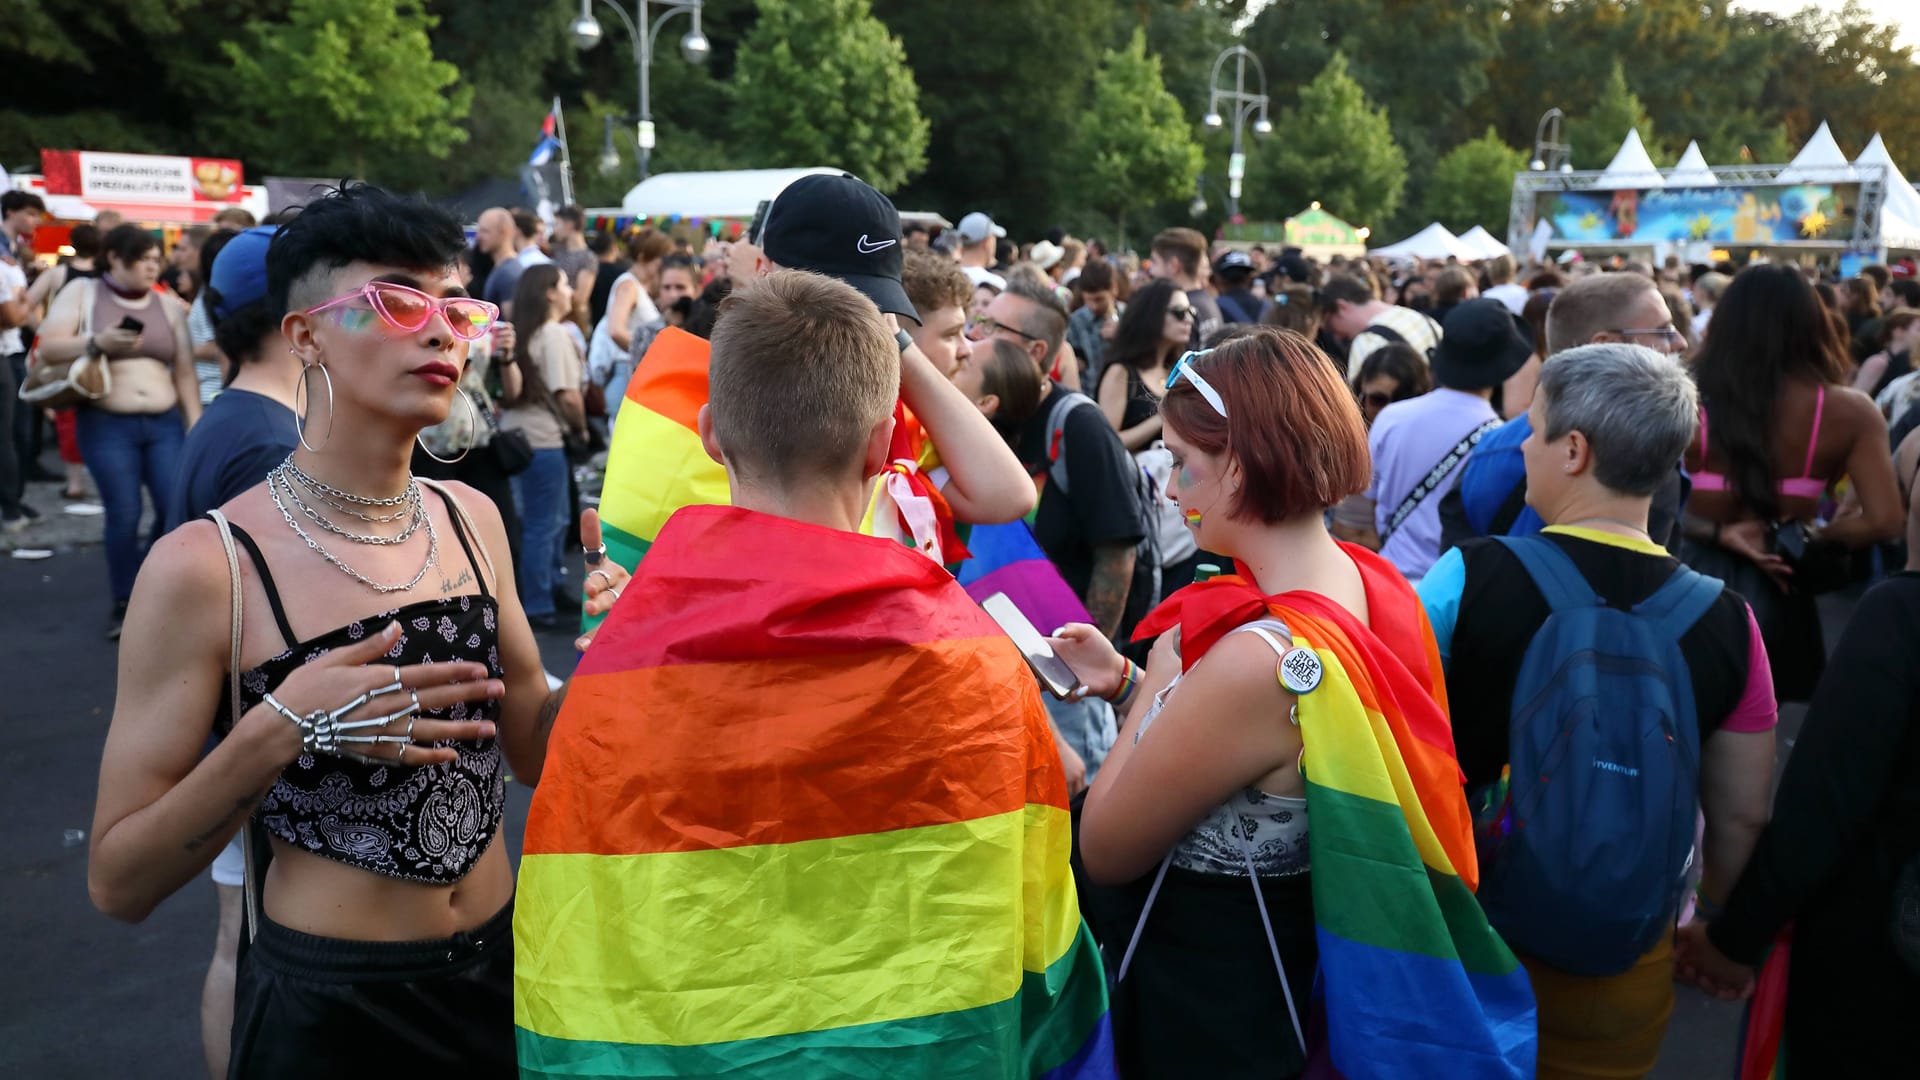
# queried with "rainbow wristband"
point(1703, 907)
point(1129, 679)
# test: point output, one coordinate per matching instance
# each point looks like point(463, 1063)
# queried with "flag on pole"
point(549, 143)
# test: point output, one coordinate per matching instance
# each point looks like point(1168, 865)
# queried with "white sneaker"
point(83, 509)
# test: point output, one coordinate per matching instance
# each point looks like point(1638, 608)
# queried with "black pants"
point(12, 479)
point(307, 1006)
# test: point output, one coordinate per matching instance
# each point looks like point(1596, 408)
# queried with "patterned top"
point(1277, 824)
point(427, 823)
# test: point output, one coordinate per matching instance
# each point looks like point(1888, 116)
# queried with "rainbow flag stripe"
point(1414, 982)
point(1007, 559)
point(655, 463)
point(801, 816)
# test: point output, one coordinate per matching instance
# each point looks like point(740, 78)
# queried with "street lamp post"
point(586, 33)
point(1549, 152)
point(1244, 104)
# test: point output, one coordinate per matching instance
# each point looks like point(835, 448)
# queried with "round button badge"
point(1301, 670)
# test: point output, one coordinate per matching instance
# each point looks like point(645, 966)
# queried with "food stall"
point(164, 193)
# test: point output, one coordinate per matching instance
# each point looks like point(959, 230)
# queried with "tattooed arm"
point(1107, 588)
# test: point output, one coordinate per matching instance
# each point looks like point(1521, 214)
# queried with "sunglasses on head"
point(1183, 369)
point(408, 309)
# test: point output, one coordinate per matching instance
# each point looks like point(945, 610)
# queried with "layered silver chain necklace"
point(290, 489)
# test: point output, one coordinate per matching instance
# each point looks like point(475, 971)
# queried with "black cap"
point(840, 227)
point(1233, 260)
point(1482, 344)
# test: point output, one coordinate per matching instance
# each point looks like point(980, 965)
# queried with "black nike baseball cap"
point(841, 227)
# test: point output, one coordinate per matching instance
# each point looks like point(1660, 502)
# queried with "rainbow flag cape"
point(1413, 980)
point(656, 465)
point(1007, 559)
point(801, 816)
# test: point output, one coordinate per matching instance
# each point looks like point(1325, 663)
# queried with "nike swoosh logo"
point(868, 247)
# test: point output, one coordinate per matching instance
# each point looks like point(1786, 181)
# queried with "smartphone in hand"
point(1053, 672)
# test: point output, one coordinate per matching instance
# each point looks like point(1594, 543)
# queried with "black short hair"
point(572, 215)
point(525, 221)
point(127, 242)
point(239, 334)
point(85, 240)
point(599, 243)
point(357, 223)
point(14, 201)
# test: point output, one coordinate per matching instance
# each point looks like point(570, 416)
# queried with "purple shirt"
point(1408, 439)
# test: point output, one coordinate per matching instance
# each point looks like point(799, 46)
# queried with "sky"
point(1904, 14)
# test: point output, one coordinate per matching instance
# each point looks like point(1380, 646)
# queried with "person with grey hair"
point(1607, 423)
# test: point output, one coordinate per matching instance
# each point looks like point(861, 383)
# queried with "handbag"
point(81, 381)
point(578, 445)
point(512, 451)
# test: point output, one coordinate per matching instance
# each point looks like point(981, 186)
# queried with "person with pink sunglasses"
point(351, 637)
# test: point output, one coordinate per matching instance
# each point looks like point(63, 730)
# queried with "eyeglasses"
point(407, 309)
point(1183, 368)
point(1667, 336)
point(982, 327)
point(1181, 313)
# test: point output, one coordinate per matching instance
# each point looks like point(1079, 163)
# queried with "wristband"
point(1705, 908)
point(1129, 681)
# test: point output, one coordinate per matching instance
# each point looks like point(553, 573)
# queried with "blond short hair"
point(802, 369)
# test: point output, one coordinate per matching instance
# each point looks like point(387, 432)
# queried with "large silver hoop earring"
point(299, 392)
point(473, 411)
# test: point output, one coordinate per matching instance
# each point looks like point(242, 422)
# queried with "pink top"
point(1804, 486)
point(1757, 710)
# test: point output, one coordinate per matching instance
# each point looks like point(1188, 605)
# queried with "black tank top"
point(1142, 406)
point(427, 823)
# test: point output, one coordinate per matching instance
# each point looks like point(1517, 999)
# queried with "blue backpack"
point(1585, 843)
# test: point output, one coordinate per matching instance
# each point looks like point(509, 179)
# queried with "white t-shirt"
point(1514, 296)
point(12, 280)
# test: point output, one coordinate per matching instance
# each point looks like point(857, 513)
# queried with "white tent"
point(733, 194)
point(1692, 171)
point(1900, 207)
point(1432, 242)
point(1484, 243)
point(1631, 167)
point(1819, 160)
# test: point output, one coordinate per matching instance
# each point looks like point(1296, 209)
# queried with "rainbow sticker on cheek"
point(1193, 518)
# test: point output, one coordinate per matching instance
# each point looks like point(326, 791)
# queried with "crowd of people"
point(1429, 629)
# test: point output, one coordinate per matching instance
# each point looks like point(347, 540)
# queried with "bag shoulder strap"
point(1056, 425)
point(1436, 476)
point(465, 520)
point(1388, 333)
point(1682, 601)
point(251, 896)
point(1553, 572)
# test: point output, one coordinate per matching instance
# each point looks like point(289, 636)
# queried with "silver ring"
point(601, 573)
point(402, 759)
point(615, 592)
point(595, 554)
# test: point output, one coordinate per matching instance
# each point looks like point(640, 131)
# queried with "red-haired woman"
point(1206, 783)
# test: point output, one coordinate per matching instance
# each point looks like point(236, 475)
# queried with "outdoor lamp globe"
point(695, 47)
point(585, 31)
point(1212, 120)
point(1263, 126)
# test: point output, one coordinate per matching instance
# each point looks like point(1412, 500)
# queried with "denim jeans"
point(541, 491)
point(1088, 726)
point(125, 451)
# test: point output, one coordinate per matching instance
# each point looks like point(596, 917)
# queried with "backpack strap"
point(1553, 572)
point(1056, 426)
point(1681, 602)
point(254, 880)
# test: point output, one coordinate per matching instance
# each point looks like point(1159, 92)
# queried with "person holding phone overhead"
point(131, 438)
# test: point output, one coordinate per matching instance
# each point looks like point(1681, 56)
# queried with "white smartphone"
point(1053, 672)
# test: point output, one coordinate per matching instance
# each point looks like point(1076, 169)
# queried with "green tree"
point(362, 68)
point(1134, 145)
point(821, 82)
point(1000, 81)
point(1331, 146)
point(1597, 133)
point(1473, 184)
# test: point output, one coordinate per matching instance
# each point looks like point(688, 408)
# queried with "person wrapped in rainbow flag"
point(1304, 688)
point(801, 813)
